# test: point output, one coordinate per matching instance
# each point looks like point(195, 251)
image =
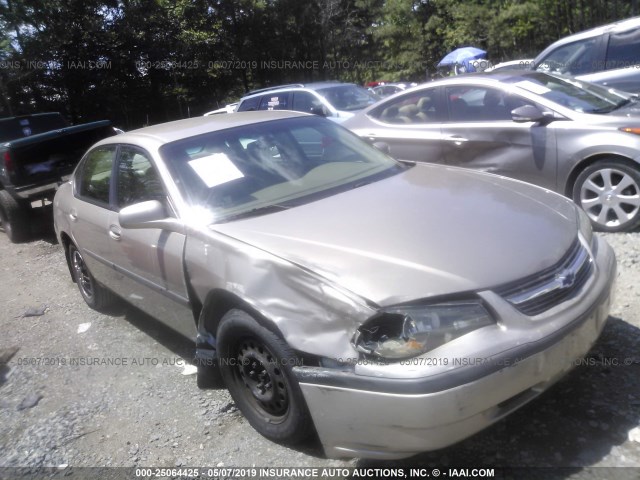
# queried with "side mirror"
point(149, 214)
point(383, 147)
point(528, 113)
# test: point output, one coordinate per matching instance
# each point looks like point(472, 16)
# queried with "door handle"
point(457, 140)
point(115, 233)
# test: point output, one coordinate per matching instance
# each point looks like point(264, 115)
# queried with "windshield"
point(258, 168)
point(348, 97)
point(579, 96)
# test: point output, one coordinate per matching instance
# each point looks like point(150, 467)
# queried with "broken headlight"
point(407, 331)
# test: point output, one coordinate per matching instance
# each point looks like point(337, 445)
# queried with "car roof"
point(294, 86)
point(520, 61)
point(171, 131)
point(498, 77)
point(620, 26)
point(503, 78)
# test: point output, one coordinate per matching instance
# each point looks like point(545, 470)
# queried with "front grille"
point(538, 293)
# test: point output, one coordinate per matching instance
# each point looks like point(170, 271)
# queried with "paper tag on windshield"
point(215, 169)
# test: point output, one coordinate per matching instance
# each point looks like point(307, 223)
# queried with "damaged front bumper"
point(378, 415)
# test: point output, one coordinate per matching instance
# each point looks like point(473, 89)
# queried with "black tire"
point(609, 192)
point(256, 366)
point(14, 218)
point(94, 294)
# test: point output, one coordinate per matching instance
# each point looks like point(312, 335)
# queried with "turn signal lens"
point(635, 130)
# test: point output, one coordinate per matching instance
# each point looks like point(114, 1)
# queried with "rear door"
point(91, 210)
point(409, 124)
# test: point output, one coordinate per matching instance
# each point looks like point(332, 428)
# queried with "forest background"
point(139, 62)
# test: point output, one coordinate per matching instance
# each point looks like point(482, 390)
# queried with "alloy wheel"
point(610, 197)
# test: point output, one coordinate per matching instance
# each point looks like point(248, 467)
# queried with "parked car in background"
point(37, 153)
point(460, 299)
point(333, 100)
point(523, 64)
point(387, 89)
point(572, 137)
point(230, 108)
point(607, 55)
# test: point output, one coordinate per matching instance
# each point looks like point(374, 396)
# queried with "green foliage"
point(147, 61)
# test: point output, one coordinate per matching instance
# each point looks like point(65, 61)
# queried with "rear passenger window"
point(413, 108)
point(249, 104)
point(95, 175)
point(623, 50)
point(275, 101)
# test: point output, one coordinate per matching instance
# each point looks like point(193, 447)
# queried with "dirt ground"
point(62, 406)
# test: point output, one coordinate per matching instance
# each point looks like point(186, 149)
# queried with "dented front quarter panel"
point(314, 315)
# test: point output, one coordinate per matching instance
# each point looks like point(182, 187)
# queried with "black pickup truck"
point(37, 153)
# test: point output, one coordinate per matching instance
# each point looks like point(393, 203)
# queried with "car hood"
point(428, 231)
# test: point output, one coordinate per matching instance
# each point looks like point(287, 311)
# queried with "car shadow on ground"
point(178, 344)
point(185, 348)
point(576, 423)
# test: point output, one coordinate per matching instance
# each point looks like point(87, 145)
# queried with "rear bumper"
point(36, 192)
point(379, 418)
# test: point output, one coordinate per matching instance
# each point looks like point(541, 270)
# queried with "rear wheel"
point(14, 218)
point(94, 294)
point(256, 365)
point(609, 192)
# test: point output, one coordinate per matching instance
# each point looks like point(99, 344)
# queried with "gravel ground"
point(149, 411)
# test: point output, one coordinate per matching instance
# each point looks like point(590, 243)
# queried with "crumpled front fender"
point(312, 314)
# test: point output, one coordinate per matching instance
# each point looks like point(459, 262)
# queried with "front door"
point(148, 262)
point(480, 134)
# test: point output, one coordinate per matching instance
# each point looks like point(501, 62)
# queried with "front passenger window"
point(138, 180)
point(573, 59)
point(95, 175)
point(306, 102)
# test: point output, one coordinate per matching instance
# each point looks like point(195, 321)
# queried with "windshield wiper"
point(617, 106)
point(254, 212)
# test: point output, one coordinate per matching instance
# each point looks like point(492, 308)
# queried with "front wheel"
point(609, 192)
point(94, 294)
point(256, 365)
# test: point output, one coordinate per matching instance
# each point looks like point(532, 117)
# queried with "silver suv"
point(608, 55)
point(334, 100)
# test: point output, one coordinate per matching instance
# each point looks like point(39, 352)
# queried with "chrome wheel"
point(262, 376)
point(96, 296)
point(610, 197)
point(82, 275)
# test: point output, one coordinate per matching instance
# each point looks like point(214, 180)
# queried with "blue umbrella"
point(462, 56)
